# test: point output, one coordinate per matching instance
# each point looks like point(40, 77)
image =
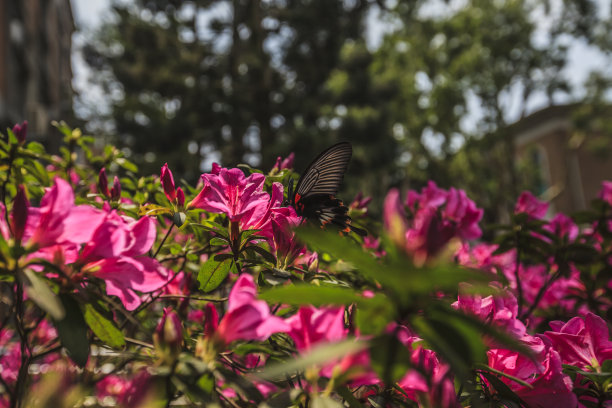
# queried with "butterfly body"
point(314, 196)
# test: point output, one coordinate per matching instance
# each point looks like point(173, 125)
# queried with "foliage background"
point(246, 81)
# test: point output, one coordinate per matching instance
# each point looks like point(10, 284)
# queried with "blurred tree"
point(248, 80)
point(240, 78)
point(490, 59)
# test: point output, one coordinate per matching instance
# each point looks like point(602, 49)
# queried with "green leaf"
point(397, 274)
point(11, 136)
point(248, 235)
point(213, 272)
point(373, 314)
point(389, 358)
point(72, 331)
point(216, 241)
point(153, 209)
point(40, 293)
point(502, 389)
point(310, 295)
point(268, 256)
point(317, 356)
point(348, 396)
point(36, 147)
point(103, 326)
point(320, 401)
point(127, 165)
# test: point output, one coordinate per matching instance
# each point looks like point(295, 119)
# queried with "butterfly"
point(314, 195)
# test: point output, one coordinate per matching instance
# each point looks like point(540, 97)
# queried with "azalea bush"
point(147, 291)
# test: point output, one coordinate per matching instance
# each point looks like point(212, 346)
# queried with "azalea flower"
point(527, 203)
point(282, 164)
point(310, 326)
point(436, 216)
point(549, 386)
point(430, 378)
point(583, 341)
point(59, 221)
point(246, 317)
point(116, 253)
point(500, 309)
point(230, 192)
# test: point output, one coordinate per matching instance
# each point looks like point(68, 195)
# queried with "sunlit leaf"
point(213, 272)
point(40, 293)
point(103, 326)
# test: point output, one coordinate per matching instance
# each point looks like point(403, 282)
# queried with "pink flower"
point(500, 309)
point(116, 254)
point(131, 392)
point(283, 241)
point(211, 320)
point(528, 204)
point(286, 163)
point(430, 378)
point(167, 182)
point(606, 192)
point(550, 386)
point(168, 336)
point(310, 326)
point(246, 317)
point(562, 226)
point(59, 221)
point(582, 341)
point(240, 198)
point(394, 217)
point(436, 217)
point(10, 358)
point(360, 203)
point(558, 294)
point(180, 197)
point(463, 213)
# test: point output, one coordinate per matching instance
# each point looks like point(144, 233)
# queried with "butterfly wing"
point(314, 194)
point(325, 173)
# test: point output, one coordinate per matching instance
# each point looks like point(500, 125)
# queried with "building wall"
point(574, 173)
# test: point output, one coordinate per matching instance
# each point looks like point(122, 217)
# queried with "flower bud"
point(21, 131)
point(115, 192)
point(103, 183)
point(211, 320)
point(168, 183)
point(394, 218)
point(180, 197)
point(19, 215)
point(168, 336)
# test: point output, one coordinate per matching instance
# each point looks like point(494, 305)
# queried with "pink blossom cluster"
point(87, 243)
point(100, 250)
point(435, 216)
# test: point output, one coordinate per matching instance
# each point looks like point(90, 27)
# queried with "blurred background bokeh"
point(492, 96)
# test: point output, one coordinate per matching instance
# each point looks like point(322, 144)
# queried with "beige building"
point(570, 171)
point(35, 70)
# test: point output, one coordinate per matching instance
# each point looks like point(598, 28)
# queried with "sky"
point(89, 14)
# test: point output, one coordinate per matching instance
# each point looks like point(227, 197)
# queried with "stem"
point(5, 182)
point(541, 293)
point(18, 394)
point(161, 244)
point(519, 287)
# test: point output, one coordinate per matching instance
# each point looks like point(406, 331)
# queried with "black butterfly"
point(314, 196)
